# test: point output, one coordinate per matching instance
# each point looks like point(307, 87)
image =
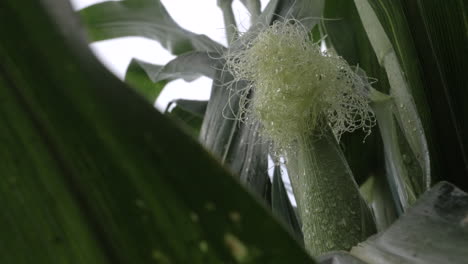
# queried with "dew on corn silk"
point(296, 88)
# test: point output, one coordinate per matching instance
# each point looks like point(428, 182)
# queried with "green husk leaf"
point(281, 205)
point(334, 216)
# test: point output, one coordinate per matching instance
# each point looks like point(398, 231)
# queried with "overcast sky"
point(202, 17)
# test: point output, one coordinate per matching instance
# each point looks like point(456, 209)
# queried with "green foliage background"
point(91, 173)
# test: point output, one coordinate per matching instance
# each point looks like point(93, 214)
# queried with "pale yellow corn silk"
point(296, 88)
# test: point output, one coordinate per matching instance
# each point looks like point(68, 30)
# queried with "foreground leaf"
point(434, 230)
point(339, 257)
point(94, 174)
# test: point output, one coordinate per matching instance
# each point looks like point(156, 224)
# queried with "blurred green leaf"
point(433, 231)
point(145, 18)
point(94, 174)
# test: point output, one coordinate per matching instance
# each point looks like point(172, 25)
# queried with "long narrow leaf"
point(406, 110)
point(440, 33)
point(149, 79)
point(189, 66)
point(145, 18)
point(137, 76)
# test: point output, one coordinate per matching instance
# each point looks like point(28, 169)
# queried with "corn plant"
point(359, 103)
